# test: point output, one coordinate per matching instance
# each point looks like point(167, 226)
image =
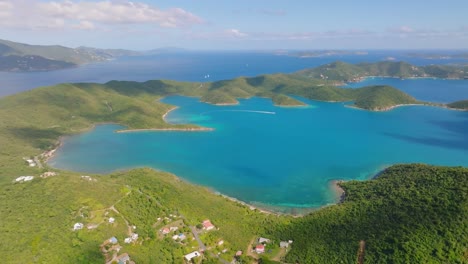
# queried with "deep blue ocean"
point(258, 153)
point(194, 66)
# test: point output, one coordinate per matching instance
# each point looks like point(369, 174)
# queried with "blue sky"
point(241, 24)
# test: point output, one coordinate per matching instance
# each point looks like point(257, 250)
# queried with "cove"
point(275, 156)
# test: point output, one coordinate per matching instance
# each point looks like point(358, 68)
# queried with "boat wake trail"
point(248, 111)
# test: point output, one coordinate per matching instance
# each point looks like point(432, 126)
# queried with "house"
point(260, 249)
point(92, 226)
point(192, 255)
point(111, 220)
point(78, 226)
point(263, 240)
point(173, 228)
point(132, 238)
point(113, 240)
point(180, 236)
point(284, 244)
point(239, 253)
point(24, 178)
point(165, 231)
point(220, 242)
point(48, 174)
point(31, 163)
point(207, 225)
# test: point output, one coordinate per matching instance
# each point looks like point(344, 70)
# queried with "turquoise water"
point(278, 156)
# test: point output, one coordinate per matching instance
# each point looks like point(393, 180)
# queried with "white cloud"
point(84, 25)
point(235, 33)
point(30, 14)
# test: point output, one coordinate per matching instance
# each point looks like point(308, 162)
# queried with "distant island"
point(346, 72)
point(409, 213)
point(19, 57)
point(460, 105)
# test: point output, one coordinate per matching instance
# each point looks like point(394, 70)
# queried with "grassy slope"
point(37, 217)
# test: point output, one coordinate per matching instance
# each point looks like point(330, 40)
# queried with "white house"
point(111, 220)
point(263, 240)
point(192, 255)
point(284, 244)
point(78, 226)
point(128, 240)
point(24, 178)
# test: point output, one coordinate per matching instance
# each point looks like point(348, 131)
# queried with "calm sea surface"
point(276, 156)
point(193, 66)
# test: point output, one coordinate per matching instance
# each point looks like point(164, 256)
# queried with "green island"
point(461, 105)
point(345, 72)
point(407, 214)
point(20, 57)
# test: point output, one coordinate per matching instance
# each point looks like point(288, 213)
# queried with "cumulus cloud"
point(86, 14)
point(235, 33)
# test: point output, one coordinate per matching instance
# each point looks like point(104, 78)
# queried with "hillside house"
point(192, 255)
point(207, 225)
point(260, 248)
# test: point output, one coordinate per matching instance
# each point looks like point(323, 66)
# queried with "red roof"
point(207, 224)
point(260, 247)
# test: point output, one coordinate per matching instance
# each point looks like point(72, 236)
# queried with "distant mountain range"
point(24, 57)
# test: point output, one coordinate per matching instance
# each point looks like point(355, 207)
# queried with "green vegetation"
point(463, 105)
point(345, 72)
point(31, 63)
point(284, 100)
point(23, 57)
point(382, 98)
point(409, 214)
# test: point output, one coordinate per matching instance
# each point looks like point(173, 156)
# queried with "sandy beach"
point(338, 190)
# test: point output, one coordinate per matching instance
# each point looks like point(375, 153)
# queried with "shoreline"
point(167, 112)
point(189, 129)
point(386, 108)
point(339, 191)
point(364, 78)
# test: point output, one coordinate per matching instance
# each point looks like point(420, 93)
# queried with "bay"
point(284, 160)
